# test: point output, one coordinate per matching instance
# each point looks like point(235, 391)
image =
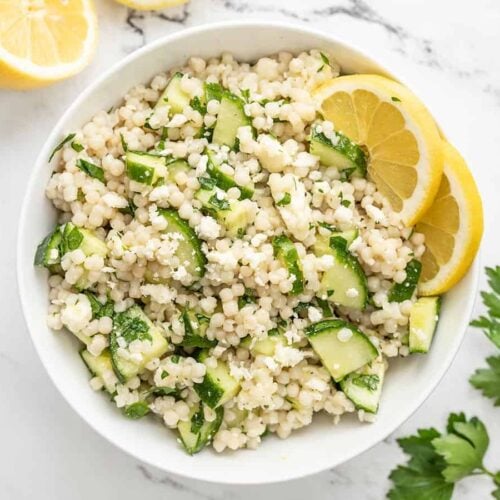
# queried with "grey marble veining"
point(446, 49)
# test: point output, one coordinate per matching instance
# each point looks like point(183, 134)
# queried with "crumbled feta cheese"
point(208, 228)
point(297, 215)
point(344, 334)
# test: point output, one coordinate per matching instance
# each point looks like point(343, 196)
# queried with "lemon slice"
point(43, 41)
point(400, 136)
point(453, 227)
point(151, 4)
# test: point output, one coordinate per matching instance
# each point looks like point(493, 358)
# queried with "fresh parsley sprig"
point(490, 323)
point(487, 380)
point(437, 461)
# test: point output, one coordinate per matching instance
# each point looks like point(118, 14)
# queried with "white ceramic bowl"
point(313, 449)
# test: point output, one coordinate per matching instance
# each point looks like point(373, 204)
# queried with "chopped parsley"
point(99, 310)
point(129, 209)
point(197, 421)
point(218, 204)
point(207, 183)
point(91, 169)
point(71, 239)
point(247, 298)
point(68, 138)
point(369, 382)
point(124, 143)
point(245, 94)
point(197, 105)
point(285, 200)
point(76, 146)
point(136, 410)
point(345, 203)
point(395, 99)
point(131, 328)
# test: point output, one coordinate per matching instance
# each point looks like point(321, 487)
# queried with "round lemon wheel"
point(44, 41)
point(399, 134)
point(151, 4)
point(453, 227)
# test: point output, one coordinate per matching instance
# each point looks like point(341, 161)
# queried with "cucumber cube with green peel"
point(339, 152)
point(424, 317)
point(341, 346)
point(218, 386)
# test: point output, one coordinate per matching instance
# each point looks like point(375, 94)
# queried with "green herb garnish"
point(68, 138)
point(91, 169)
point(285, 200)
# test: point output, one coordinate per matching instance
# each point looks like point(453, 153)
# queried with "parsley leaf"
point(213, 91)
point(245, 94)
point(247, 298)
point(285, 200)
point(99, 310)
point(395, 99)
point(136, 410)
point(488, 379)
point(68, 138)
point(197, 105)
point(463, 448)
point(490, 324)
point(129, 209)
point(421, 477)
point(131, 328)
point(197, 421)
point(369, 382)
point(218, 204)
point(90, 169)
point(207, 183)
point(76, 146)
point(324, 58)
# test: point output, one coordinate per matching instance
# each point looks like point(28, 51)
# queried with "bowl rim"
point(41, 161)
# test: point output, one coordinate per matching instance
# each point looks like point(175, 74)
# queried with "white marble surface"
point(448, 48)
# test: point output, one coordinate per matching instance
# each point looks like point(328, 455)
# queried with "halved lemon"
point(43, 41)
point(151, 4)
point(453, 227)
point(399, 134)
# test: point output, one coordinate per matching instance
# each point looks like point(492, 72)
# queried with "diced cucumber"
point(189, 250)
point(86, 240)
point(102, 367)
point(341, 152)
point(176, 166)
point(285, 251)
point(196, 433)
point(341, 347)
point(130, 325)
point(322, 243)
point(174, 96)
point(223, 180)
point(231, 213)
point(424, 316)
point(230, 118)
point(404, 291)
point(146, 168)
point(265, 346)
point(218, 386)
point(195, 328)
point(364, 387)
point(345, 282)
point(48, 254)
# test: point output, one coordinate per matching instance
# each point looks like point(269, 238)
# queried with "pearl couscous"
point(222, 258)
